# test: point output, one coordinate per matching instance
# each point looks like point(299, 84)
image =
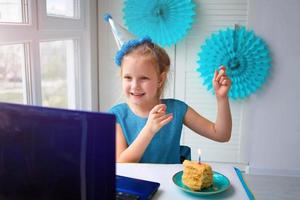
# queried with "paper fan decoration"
point(245, 56)
point(164, 21)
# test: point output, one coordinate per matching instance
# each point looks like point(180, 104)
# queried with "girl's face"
point(140, 80)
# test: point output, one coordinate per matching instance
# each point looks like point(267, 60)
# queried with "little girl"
point(149, 128)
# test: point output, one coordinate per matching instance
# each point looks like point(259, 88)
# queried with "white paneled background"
point(184, 82)
point(212, 15)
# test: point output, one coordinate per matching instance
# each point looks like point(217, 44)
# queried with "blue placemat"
point(248, 191)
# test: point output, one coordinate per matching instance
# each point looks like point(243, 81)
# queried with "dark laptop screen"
point(50, 153)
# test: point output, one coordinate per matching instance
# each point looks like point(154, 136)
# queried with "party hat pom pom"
point(107, 16)
point(129, 45)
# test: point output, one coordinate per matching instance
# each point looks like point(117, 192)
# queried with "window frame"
point(26, 9)
point(56, 22)
point(41, 29)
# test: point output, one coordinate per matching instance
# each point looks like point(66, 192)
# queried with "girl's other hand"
point(221, 83)
point(158, 118)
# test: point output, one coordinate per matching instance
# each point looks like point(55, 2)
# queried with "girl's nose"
point(135, 84)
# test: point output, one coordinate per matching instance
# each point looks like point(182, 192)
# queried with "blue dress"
point(165, 145)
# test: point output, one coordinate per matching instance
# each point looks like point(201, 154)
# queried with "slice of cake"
point(197, 176)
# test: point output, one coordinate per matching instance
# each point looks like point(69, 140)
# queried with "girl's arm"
point(134, 152)
point(221, 129)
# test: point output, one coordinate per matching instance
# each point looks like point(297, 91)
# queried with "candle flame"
point(199, 151)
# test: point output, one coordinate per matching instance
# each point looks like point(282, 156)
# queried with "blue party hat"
point(120, 33)
point(124, 39)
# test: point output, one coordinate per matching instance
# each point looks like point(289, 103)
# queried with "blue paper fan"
point(245, 56)
point(165, 21)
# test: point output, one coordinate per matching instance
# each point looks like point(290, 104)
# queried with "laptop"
point(135, 189)
point(48, 153)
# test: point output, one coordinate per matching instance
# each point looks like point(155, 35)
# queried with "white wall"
point(273, 115)
point(109, 81)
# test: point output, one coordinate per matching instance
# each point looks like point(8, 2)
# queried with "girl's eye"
point(145, 78)
point(127, 77)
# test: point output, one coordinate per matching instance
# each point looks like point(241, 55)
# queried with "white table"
point(163, 174)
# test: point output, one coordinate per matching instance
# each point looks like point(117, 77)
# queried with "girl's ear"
point(162, 78)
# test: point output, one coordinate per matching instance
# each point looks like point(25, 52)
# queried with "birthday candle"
point(199, 154)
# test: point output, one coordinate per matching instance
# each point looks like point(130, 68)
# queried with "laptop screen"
point(48, 153)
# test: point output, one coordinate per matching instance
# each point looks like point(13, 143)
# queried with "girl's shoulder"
point(175, 104)
point(177, 107)
point(118, 108)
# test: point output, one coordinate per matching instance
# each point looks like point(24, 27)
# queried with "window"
point(46, 53)
point(58, 73)
point(66, 8)
point(12, 67)
point(13, 11)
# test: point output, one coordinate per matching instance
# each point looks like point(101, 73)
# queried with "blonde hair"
point(158, 56)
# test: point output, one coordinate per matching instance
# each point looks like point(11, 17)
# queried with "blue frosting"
point(129, 45)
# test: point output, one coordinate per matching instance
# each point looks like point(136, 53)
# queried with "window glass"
point(12, 65)
point(63, 8)
point(57, 73)
point(11, 11)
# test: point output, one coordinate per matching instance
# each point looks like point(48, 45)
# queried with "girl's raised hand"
point(158, 118)
point(221, 83)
